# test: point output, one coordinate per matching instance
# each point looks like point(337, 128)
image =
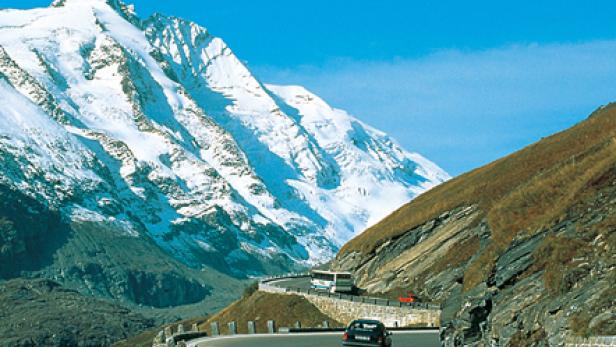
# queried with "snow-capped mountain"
point(156, 128)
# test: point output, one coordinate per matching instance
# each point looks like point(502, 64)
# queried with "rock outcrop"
point(43, 313)
point(521, 252)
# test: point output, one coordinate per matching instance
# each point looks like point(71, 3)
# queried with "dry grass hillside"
point(518, 194)
point(261, 307)
point(253, 306)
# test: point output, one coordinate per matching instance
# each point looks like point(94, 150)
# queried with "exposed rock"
point(515, 260)
point(532, 263)
point(43, 313)
point(398, 263)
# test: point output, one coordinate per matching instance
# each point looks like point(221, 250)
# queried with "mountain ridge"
point(154, 130)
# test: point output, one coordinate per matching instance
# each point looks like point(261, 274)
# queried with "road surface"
point(299, 282)
point(400, 339)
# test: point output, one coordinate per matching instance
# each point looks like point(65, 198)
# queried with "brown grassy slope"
point(261, 307)
point(518, 194)
point(490, 184)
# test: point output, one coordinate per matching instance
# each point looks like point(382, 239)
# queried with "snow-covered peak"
point(163, 132)
point(127, 11)
point(62, 3)
point(116, 4)
point(112, 4)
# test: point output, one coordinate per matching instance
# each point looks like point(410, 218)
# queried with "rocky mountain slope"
point(153, 131)
point(98, 261)
point(43, 313)
point(521, 252)
point(141, 161)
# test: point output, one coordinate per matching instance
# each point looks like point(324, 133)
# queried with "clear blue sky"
point(462, 82)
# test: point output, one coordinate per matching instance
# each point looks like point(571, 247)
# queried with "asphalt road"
point(399, 338)
point(300, 282)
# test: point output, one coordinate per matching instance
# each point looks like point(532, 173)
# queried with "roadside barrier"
point(167, 338)
point(594, 341)
point(266, 286)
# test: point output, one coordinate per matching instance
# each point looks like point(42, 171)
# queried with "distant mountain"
point(520, 252)
point(155, 133)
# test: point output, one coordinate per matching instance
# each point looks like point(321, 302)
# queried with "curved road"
point(298, 282)
point(400, 338)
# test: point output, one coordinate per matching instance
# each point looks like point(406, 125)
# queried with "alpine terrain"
point(520, 252)
point(141, 160)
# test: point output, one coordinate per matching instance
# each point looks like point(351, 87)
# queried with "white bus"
point(331, 281)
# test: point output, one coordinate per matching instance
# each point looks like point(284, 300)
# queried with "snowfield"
point(156, 127)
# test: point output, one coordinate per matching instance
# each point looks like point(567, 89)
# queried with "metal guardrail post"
point(159, 339)
point(326, 324)
point(298, 324)
point(271, 326)
point(232, 328)
point(215, 329)
point(252, 328)
point(168, 332)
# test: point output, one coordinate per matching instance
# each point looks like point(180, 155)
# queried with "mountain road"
point(296, 282)
point(428, 338)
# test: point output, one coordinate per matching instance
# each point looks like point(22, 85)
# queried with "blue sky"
point(463, 83)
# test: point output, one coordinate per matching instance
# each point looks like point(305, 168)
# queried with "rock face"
point(43, 313)
point(519, 253)
point(156, 129)
point(91, 257)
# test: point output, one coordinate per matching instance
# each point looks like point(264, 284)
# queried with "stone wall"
point(345, 311)
point(599, 341)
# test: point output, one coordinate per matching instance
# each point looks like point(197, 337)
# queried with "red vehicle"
point(408, 298)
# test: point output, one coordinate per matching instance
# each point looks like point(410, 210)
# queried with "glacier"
point(155, 127)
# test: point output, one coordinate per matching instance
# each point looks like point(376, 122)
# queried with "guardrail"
point(168, 337)
point(599, 341)
point(264, 284)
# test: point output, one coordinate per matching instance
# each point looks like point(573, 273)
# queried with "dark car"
point(365, 332)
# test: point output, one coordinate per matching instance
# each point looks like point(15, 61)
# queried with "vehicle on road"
point(410, 297)
point(366, 332)
point(332, 281)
